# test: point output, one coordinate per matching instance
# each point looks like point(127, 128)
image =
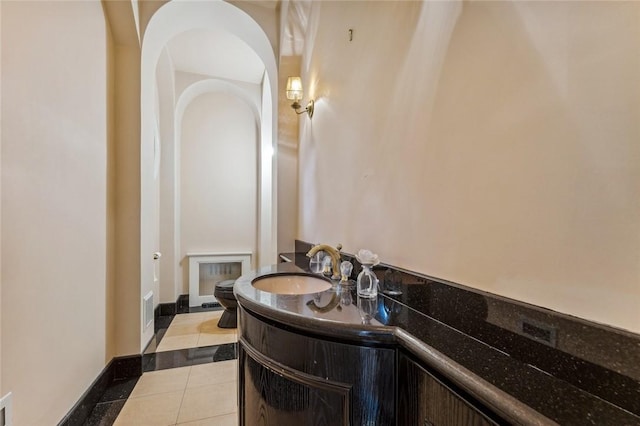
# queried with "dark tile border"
point(106, 396)
point(102, 401)
point(127, 367)
point(105, 413)
point(191, 356)
point(182, 304)
point(119, 369)
point(212, 308)
point(161, 325)
point(172, 308)
point(164, 309)
point(106, 410)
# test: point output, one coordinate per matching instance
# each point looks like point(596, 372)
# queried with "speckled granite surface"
point(530, 365)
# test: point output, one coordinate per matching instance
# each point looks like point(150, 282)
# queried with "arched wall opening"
point(239, 188)
point(170, 20)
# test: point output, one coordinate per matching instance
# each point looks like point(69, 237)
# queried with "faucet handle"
point(326, 265)
point(345, 270)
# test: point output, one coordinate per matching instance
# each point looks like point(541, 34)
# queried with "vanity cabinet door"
point(277, 396)
point(423, 400)
point(290, 378)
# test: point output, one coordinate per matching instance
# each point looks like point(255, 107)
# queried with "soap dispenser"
point(367, 280)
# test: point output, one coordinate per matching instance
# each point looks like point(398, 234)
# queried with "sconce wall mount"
point(294, 93)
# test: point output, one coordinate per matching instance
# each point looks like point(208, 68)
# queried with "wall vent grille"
point(6, 408)
point(147, 304)
point(208, 269)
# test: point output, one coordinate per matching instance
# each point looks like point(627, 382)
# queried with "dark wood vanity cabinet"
point(290, 378)
point(273, 395)
point(425, 400)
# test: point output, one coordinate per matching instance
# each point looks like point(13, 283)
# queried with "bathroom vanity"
point(291, 378)
point(328, 358)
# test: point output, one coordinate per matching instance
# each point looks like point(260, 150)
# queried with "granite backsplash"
point(601, 360)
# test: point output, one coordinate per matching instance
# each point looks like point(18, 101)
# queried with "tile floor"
point(196, 330)
point(202, 395)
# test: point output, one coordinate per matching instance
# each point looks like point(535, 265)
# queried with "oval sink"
point(291, 284)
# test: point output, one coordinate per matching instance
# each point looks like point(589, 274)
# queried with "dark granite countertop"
point(457, 332)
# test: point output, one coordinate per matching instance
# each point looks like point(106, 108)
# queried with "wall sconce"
point(294, 93)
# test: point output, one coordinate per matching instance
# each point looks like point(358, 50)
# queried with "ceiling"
point(267, 4)
point(214, 53)
point(220, 54)
point(295, 27)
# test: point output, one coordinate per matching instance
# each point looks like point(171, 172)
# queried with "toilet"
point(224, 293)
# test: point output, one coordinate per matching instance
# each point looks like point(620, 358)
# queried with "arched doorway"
point(169, 21)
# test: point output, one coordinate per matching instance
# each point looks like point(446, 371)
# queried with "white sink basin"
point(291, 284)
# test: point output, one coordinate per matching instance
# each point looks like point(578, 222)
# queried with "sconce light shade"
point(294, 88)
point(294, 93)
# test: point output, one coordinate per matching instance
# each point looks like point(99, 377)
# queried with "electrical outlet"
point(538, 331)
point(6, 411)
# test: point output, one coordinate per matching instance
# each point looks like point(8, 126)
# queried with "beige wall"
point(169, 229)
point(218, 181)
point(287, 159)
point(494, 144)
point(110, 294)
point(128, 298)
point(54, 204)
point(0, 199)
point(123, 298)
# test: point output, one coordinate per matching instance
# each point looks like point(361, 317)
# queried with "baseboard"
point(173, 308)
point(118, 368)
point(183, 304)
point(127, 367)
point(164, 309)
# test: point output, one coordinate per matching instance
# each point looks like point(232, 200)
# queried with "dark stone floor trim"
point(183, 304)
point(187, 357)
point(105, 413)
point(165, 309)
point(115, 382)
point(106, 409)
point(102, 402)
point(209, 308)
point(180, 306)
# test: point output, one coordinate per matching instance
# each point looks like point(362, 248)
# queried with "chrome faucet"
point(334, 253)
